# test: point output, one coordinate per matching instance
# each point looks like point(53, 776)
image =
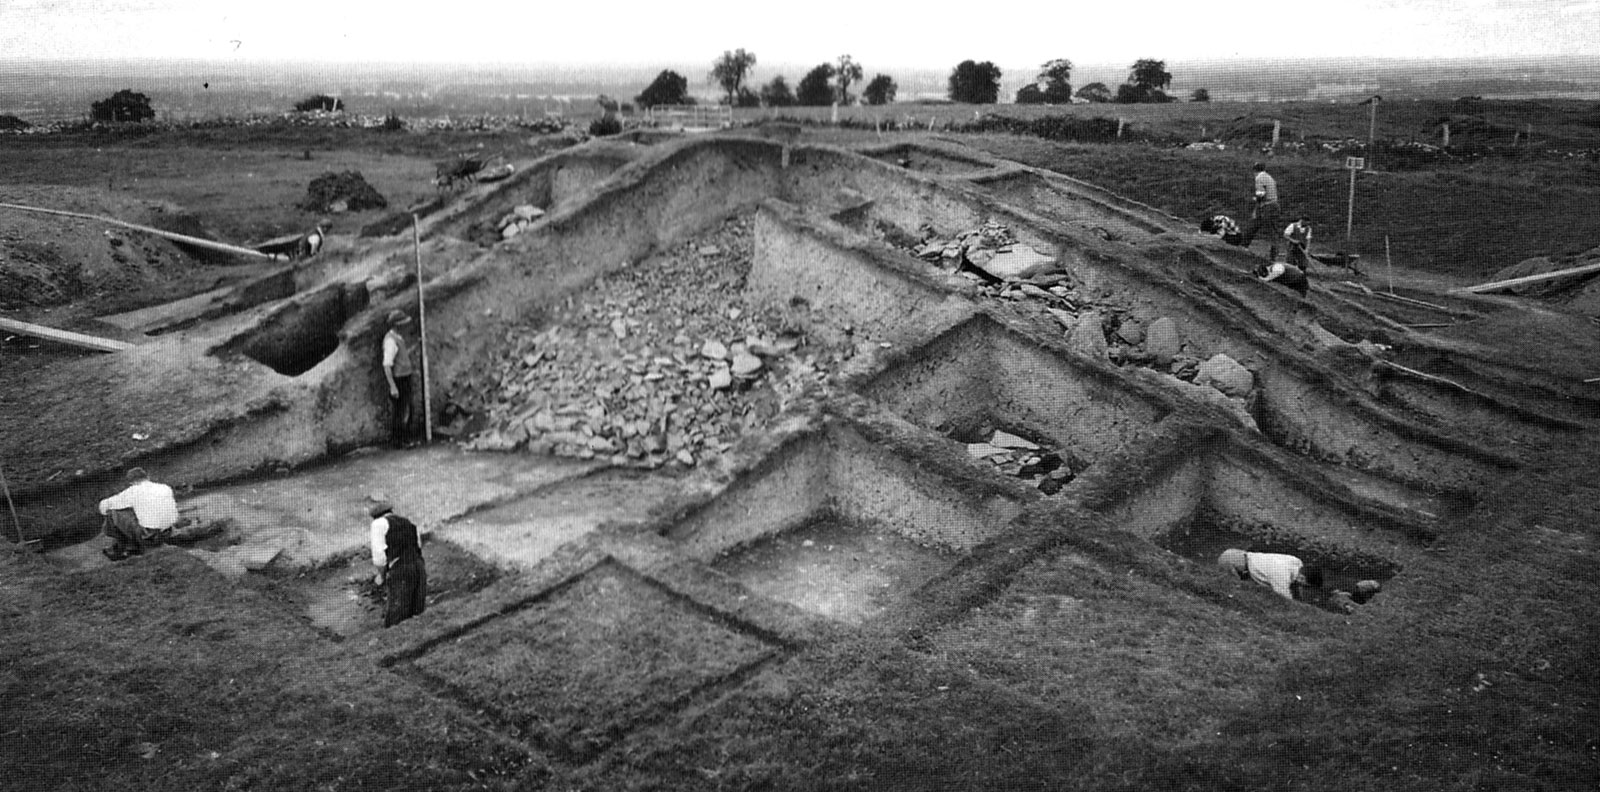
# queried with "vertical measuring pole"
point(1353, 164)
point(13, 507)
point(1388, 262)
point(1372, 127)
point(422, 332)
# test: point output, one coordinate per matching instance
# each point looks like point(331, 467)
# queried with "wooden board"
point(64, 336)
point(1506, 284)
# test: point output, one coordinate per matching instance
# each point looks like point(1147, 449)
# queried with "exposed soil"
point(573, 641)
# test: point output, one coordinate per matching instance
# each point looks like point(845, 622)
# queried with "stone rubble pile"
point(1024, 459)
point(517, 220)
point(1003, 269)
point(659, 363)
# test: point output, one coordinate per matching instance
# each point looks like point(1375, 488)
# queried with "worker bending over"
point(138, 516)
point(1283, 573)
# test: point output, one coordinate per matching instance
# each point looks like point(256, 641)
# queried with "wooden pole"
point(188, 240)
point(7, 487)
point(1506, 284)
point(1350, 214)
point(1372, 131)
point(422, 332)
point(1388, 262)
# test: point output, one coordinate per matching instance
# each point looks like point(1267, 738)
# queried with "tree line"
point(970, 82)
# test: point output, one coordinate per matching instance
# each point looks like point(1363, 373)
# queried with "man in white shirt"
point(398, 374)
point(1283, 573)
point(1266, 213)
point(401, 571)
point(138, 515)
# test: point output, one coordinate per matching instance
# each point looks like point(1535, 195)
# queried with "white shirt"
point(1273, 570)
point(152, 504)
point(380, 541)
point(1266, 188)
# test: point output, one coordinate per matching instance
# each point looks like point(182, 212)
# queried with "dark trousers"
point(126, 534)
point(405, 589)
point(1265, 216)
point(402, 413)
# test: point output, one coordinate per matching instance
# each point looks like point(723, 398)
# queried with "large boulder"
point(1088, 336)
point(1162, 341)
point(1226, 375)
point(1014, 263)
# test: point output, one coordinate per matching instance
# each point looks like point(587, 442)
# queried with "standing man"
point(137, 515)
point(399, 373)
point(1283, 573)
point(1265, 214)
point(397, 553)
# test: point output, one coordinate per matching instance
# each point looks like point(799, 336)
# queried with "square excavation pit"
point(845, 527)
point(1200, 503)
point(837, 570)
point(980, 375)
point(580, 667)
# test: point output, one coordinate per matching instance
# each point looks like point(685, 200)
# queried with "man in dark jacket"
point(397, 553)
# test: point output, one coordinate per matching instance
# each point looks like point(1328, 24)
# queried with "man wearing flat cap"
point(399, 374)
point(397, 553)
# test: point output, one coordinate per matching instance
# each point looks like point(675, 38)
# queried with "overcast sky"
point(912, 35)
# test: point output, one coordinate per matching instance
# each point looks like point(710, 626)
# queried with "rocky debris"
point(517, 220)
point(1226, 375)
point(658, 363)
point(341, 192)
point(991, 249)
point(1024, 459)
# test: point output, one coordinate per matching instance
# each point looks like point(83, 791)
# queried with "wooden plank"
point(1506, 284)
point(175, 237)
point(64, 336)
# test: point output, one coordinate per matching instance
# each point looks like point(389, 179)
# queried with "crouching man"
point(1283, 573)
point(138, 516)
point(397, 553)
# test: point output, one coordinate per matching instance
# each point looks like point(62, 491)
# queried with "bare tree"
point(730, 70)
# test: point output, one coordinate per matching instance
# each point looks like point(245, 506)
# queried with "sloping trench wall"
point(548, 183)
point(1306, 409)
point(871, 482)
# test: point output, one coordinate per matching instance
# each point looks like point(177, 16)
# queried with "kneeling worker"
point(1286, 274)
point(1282, 573)
point(397, 553)
point(137, 515)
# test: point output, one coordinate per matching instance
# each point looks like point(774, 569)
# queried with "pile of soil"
point(341, 192)
point(50, 260)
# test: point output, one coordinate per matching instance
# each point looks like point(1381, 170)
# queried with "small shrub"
point(605, 125)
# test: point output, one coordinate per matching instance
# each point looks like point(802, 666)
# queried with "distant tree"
point(816, 88)
point(1055, 80)
point(847, 71)
point(975, 83)
point(730, 70)
point(1030, 94)
point(880, 91)
point(1095, 92)
point(124, 105)
point(777, 93)
point(318, 102)
point(1200, 95)
point(669, 88)
point(1150, 75)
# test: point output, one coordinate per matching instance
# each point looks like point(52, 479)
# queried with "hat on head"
point(1233, 559)
point(136, 474)
point(399, 317)
point(379, 509)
